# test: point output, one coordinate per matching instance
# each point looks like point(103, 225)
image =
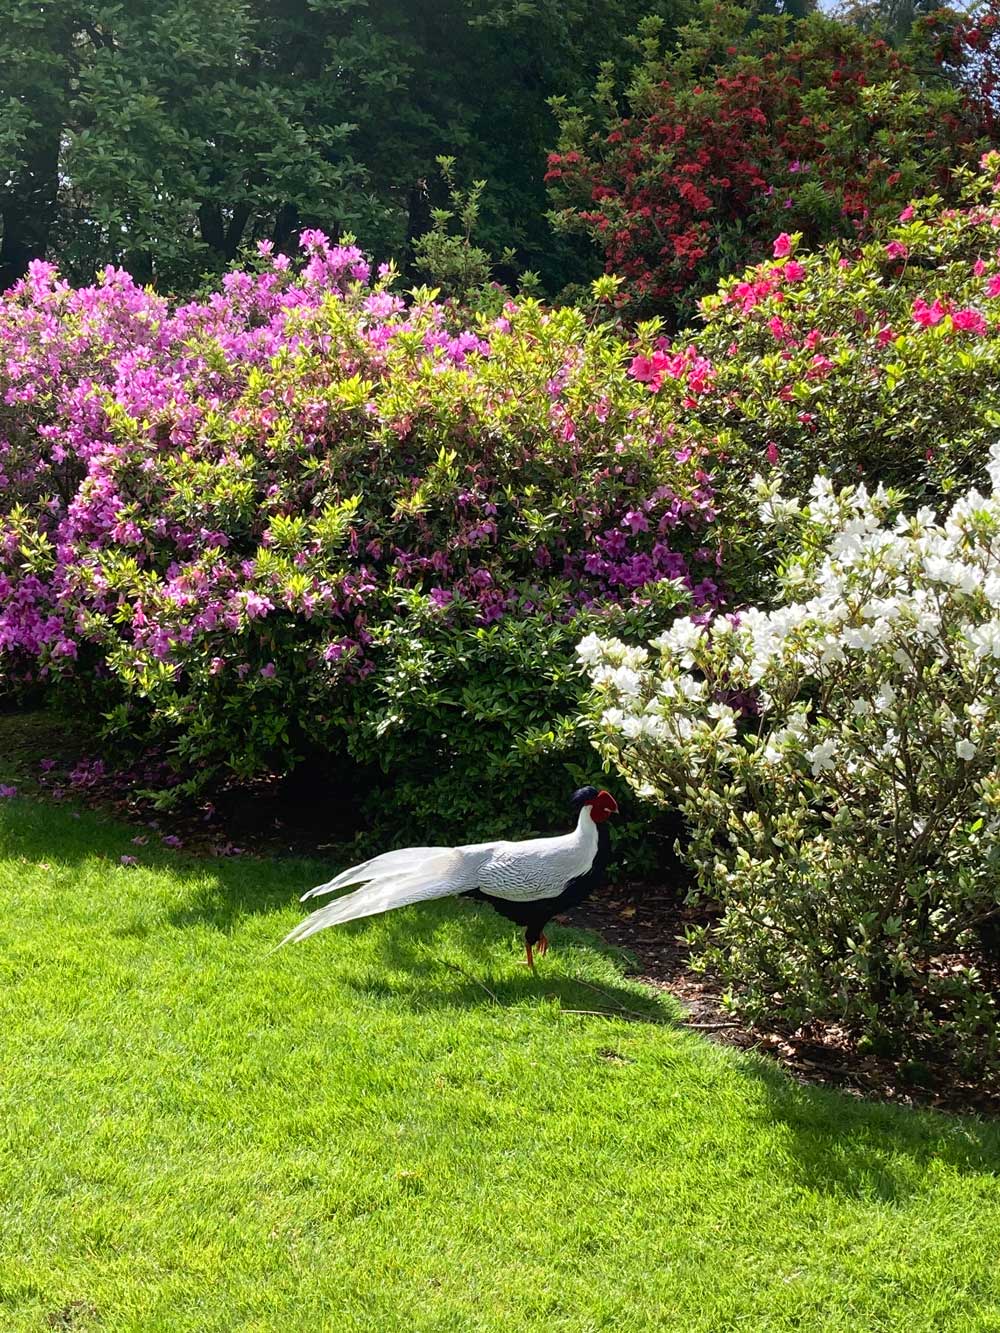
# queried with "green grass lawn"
point(352, 1135)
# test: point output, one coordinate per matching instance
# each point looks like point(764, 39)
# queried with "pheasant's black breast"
point(534, 914)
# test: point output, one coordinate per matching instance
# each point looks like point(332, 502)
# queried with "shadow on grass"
point(417, 948)
point(837, 1144)
point(853, 1148)
point(413, 959)
point(412, 955)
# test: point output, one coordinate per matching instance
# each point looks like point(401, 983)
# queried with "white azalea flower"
point(625, 680)
point(984, 640)
point(590, 650)
point(821, 757)
point(886, 696)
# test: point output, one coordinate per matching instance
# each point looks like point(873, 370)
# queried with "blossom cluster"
point(215, 515)
point(737, 135)
point(879, 363)
point(836, 757)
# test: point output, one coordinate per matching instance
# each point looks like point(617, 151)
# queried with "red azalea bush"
point(302, 516)
point(745, 131)
point(968, 45)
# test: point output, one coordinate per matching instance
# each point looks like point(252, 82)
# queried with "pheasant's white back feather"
point(539, 868)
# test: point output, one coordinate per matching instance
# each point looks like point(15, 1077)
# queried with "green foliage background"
point(165, 136)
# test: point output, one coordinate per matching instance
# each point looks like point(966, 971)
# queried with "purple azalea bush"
point(303, 515)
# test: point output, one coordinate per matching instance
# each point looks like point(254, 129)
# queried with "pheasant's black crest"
point(583, 796)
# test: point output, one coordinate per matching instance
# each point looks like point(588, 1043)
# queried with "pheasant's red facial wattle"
point(603, 805)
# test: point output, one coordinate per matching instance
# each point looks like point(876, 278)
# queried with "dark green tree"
point(166, 134)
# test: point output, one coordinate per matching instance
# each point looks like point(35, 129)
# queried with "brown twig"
point(475, 980)
point(709, 1027)
point(593, 1013)
point(622, 1009)
point(614, 1013)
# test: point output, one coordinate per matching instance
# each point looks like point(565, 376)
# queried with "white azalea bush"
point(835, 759)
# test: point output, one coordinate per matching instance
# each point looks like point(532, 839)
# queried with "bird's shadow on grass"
point(460, 955)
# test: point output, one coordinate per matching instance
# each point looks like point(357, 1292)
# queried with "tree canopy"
point(165, 136)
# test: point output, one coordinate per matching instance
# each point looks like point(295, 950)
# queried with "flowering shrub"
point(744, 131)
point(967, 43)
point(835, 758)
point(300, 514)
point(881, 362)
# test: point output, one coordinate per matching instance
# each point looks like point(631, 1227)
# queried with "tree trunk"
point(225, 241)
point(418, 220)
point(28, 208)
point(286, 224)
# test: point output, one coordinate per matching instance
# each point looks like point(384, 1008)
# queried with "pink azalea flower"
point(906, 214)
point(641, 369)
point(782, 245)
point(969, 320)
point(7, 792)
point(268, 671)
point(897, 250)
point(928, 315)
point(771, 453)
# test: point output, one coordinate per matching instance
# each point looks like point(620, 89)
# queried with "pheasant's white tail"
point(436, 875)
point(405, 861)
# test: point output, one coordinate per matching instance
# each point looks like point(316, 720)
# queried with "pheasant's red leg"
point(543, 945)
point(530, 957)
